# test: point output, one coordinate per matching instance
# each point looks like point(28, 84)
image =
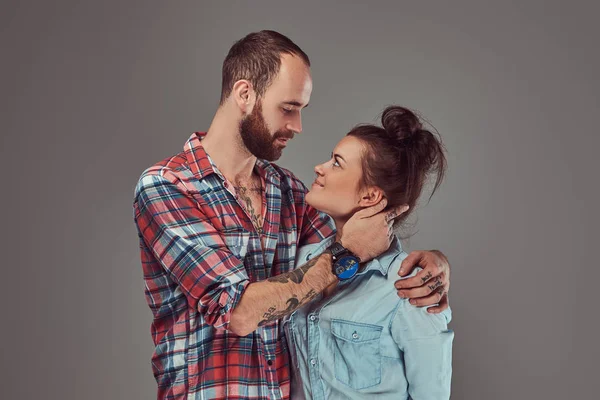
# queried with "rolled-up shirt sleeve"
point(426, 343)
point(189, 248)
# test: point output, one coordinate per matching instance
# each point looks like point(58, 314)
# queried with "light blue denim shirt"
point(364, 341)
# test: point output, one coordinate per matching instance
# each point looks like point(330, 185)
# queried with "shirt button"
point(270, 362)
point(355, 335)
point(313, 362)
point(312, 317)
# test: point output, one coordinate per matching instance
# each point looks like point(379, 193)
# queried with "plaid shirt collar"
point(202, 165)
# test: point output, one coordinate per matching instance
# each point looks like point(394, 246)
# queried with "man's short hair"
point(257, 58)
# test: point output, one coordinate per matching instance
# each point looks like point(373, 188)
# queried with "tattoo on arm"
point(296, 275)
point(292, 304)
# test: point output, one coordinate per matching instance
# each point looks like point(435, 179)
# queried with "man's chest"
point(250, 196)
point(259, 225)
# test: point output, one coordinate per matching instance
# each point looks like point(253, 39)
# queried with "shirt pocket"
point(237, 242)
point(356, 353)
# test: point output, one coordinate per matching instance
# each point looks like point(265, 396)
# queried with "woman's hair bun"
point(401, 124)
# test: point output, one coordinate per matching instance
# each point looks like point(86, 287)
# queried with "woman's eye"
point(335, 163)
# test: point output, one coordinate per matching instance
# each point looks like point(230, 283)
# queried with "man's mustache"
point(283, 135)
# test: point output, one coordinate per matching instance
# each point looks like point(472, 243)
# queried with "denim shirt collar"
point(383, 262)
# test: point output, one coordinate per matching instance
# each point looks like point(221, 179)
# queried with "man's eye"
point(287, 110)
point(335, 163)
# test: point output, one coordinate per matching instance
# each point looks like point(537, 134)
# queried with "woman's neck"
point(339, 225)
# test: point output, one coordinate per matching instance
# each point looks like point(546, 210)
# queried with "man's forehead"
point(293, 82)
point(290, 95)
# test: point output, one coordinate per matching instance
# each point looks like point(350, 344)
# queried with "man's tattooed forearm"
point(292, 304)
point(296, 275)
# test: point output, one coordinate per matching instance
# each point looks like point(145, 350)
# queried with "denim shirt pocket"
point(357, 355)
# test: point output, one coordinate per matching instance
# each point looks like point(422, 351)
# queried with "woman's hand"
point(429, 286)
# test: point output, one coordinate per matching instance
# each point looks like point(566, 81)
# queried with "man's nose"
point(295, 124)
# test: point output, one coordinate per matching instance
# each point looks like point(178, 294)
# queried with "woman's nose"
point(319, 169)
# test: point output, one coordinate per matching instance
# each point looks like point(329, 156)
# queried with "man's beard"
point(258, 139)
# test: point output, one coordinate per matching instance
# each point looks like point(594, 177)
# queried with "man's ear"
point(244, 96)
point(370, 196)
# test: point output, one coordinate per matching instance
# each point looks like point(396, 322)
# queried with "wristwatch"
point(345, 263)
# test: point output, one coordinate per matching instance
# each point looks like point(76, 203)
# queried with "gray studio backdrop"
point(95, 92)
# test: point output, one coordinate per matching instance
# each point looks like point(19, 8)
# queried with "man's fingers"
point(423, 278)
point(434, 297)
point(414, 293)
point(423, 290)
point(424, 259)
point(443, 304)
point(410, 262)
point(430, 300)
point(418, 280)
point(370, 211)
point(430, 286)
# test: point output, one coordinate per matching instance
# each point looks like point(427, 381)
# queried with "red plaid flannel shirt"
point(199, 251)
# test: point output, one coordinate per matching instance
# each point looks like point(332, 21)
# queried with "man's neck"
point(225, 147)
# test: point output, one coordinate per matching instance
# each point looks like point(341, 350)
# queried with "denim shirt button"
point(313, 362)
point(355, 335)
point(312, 317)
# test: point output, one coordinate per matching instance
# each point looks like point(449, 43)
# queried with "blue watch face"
point(346, 267)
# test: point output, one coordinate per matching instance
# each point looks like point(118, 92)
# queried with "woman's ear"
point(370, 196)
point(244, 96)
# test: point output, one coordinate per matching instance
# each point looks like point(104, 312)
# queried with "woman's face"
point(337, 187)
